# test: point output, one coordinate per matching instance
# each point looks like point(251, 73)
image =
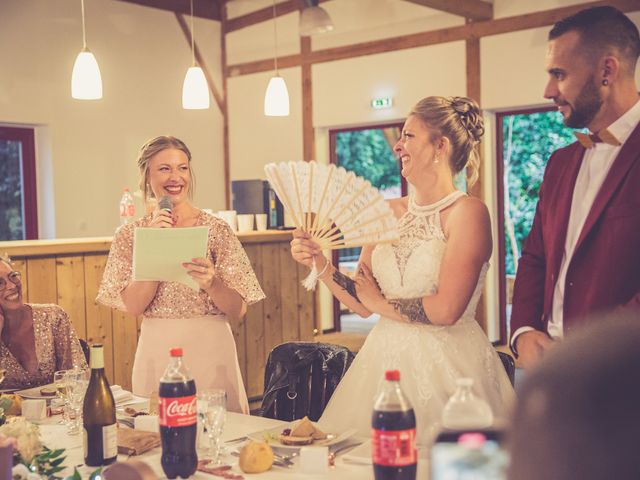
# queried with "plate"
point(273, 436)
point(34, 393)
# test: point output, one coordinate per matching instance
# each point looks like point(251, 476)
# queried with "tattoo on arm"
point(412, 309)
point(347, 284)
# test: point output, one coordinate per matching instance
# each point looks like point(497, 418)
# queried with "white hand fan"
point(337, 208)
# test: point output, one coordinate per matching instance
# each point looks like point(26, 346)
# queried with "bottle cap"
point(393, 375)
point(176, 352)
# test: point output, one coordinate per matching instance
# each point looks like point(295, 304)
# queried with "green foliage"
point(533, 138)
point(10, 191)
point(368, 155)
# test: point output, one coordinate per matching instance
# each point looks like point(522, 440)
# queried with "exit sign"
point(382, 102)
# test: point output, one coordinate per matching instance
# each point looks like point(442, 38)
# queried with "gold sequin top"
point(175, 300)
point(57, 348)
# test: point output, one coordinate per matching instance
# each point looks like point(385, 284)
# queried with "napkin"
point(121, 395)
point(136, 442)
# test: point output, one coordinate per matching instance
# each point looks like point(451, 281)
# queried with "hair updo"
point(460, 120)
point(153, 147)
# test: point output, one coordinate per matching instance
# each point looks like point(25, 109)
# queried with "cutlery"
point(278, 460)
point(236, 440)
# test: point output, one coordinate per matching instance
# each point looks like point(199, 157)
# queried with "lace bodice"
point(410, 267)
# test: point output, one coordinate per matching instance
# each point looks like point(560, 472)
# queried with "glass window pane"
point(529, 139)
point(11, 212)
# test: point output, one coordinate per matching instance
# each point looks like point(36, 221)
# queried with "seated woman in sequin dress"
point(35, 340)
point(173, 313)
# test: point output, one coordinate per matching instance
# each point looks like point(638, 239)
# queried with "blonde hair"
point(153, 147)
point(460, 120)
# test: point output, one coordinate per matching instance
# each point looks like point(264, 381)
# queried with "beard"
point(586, 105)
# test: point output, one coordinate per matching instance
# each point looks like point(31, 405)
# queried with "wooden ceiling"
point(470, 9)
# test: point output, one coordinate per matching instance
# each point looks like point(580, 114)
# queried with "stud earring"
point(605, 82)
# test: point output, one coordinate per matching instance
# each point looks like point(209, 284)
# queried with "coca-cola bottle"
point(178, 419)
point(393, 433)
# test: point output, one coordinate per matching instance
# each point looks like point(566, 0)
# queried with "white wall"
point(87, 149)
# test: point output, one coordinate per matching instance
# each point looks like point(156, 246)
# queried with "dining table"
point(238, 428)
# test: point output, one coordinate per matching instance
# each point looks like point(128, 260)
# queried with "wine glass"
point(77, 382)
point(212, 409)
point(60, 382)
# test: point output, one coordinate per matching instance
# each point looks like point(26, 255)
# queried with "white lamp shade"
point(195, 90)
point(314, 20)
point(276, 99)
point(86, 83)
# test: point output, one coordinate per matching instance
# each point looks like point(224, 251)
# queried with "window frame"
point(26, 137)
point(502, 278)
point(337, 327)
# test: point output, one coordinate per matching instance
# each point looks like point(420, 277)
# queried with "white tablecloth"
point(237, 425)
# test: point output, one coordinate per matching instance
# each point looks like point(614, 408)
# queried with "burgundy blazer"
point(604, 272)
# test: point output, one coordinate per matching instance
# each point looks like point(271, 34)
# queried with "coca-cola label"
point(394, 448)
point(177, 411)
point(127, 210)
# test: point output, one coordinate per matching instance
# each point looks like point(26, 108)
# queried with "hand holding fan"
point(336, 208)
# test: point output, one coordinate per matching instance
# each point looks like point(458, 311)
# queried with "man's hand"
point(531, 346)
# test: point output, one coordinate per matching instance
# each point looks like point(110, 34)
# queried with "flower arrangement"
point(31, 459)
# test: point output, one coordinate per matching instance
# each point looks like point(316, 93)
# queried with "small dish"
point(272, 436)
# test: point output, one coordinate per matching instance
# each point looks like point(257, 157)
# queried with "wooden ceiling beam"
point(470, 9)
point(264, 14)
point(470, 30)
point(208, 9)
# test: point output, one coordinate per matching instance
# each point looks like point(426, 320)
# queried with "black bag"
point(300, 378)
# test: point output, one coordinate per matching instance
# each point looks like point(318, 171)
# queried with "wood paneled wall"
point(68, 272)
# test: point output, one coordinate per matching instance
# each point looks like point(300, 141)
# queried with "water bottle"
point(127, 207)
point(464, 410)
point(393, 433)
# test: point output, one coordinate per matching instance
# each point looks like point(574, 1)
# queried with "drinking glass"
point(77, 382)
point(212, 409)
point(60, 382)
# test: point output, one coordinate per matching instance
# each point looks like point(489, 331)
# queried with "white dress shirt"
point(596, 163)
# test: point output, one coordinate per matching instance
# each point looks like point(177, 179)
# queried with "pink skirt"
point(209, 354)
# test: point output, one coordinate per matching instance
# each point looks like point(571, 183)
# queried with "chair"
point(509, 365)
point(85, 349)
point(300, 378)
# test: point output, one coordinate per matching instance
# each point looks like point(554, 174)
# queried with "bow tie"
point(588, 140)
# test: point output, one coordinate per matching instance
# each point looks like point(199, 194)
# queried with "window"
point(526, 139)
point(18, 203)
point(368, 152)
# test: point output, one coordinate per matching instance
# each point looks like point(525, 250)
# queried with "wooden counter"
point(68, 272)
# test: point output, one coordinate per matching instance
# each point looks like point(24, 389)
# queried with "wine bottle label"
point(109, 441)
point(177, 411)
point(394, 448)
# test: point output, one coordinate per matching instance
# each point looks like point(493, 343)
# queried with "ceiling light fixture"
point(314, 19)
point(276, 98)
point(195, 89)
point(86, 83)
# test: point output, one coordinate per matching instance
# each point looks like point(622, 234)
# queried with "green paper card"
point(158, 253)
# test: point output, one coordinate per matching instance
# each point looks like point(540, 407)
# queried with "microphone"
point(165, 204)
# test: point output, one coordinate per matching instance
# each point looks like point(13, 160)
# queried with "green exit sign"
point(382, 102)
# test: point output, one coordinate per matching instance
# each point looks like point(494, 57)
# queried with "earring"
point(437, 159)
point(605, 82)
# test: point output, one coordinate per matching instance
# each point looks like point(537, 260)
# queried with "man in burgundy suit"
point(582, 254)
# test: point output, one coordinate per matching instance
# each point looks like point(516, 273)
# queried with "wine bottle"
point(99, 415)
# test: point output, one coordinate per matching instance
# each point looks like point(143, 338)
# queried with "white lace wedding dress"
point(430, 358)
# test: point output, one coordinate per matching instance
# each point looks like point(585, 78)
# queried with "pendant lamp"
point(195, 90)
point(276, 98)
point(86, 83)
point(314, 19)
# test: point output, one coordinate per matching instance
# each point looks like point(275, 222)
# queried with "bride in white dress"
point(426, 286)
